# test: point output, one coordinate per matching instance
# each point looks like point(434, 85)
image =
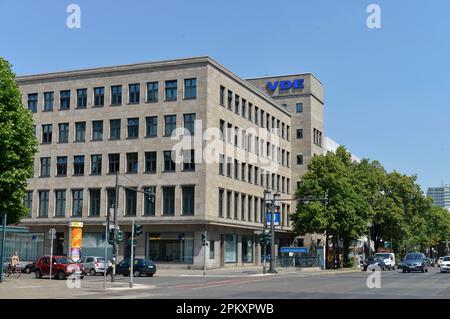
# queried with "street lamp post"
point(272, 205)
point(369, 224)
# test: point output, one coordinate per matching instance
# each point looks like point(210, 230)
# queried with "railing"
point(299, 261)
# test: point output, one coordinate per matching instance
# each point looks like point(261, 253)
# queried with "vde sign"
point(286, 84)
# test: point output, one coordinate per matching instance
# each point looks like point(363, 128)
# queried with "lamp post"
point(369, 224)
point(272, 204)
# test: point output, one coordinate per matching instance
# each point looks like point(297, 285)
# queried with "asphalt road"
point(243, 284)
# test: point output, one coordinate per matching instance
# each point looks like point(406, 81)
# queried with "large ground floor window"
point(94, 245)
point(29, 246)
point(247, 249)
point(230, 248)
point(171, 247)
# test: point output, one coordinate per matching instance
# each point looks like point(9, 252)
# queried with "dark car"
point(373, 263)
point(415, 262)
point(141, 266)
point(62, 267)
point(29, 268)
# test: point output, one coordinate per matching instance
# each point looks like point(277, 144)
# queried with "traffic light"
point(134, 242)
point(119, 237)
point(111, 237)
point(204, 240)
point(265, 238)
point(137, 230)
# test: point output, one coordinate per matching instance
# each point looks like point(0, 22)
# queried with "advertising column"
point(75, 240)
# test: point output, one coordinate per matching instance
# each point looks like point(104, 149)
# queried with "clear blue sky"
point(387, 91)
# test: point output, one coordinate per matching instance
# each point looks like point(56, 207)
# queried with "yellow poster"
point(76, 237)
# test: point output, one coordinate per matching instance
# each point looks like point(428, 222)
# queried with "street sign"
point(52, 233)
point(276, 218)
point(294, 249)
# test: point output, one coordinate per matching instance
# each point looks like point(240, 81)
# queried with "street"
point(240, 283)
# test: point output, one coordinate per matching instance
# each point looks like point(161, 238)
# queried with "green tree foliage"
point(359, 193)
point(17, 146)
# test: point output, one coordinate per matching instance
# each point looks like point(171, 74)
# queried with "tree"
point(17, 145)
point(344, 218)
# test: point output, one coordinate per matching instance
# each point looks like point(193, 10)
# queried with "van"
point(389, 260)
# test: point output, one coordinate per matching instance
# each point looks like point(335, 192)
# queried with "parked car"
point(373, 263)
point(445, 264)
point(440, 260)
point(30, 267)
point(141, 266)
point(388, 258)
point(7, 262)
point(92, 264)
point(62, 267)
point(414, 262)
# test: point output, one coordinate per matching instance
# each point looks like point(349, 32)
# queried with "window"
point(299, 133)
point(243, 172)
point(190, 88)
point(64, 99)
point(170, 124)
point(78, 165)
point(230, 133)
point(256, 115)
point(228, 204)
point(48, 101)
point(151, 126)
point(171, 90)
point(229, 166)
point(97, 130)
point(299, 107)
point(211, 249)
point(77, 202)
point(80, 131)
point(96, 164)
point(169, 164)
point(221, 162)
point(152, 92)
point(236, 103)
point(236, 169)
point(114, 163)
point(116, 95)
point(45, 166)
point(134, 93)
point(188, 160)
point(111, 199)
point(222, 96)
point(168, 200)
point(189, 123)
point(222, 128)
point(188, 200)
point(230, 100)
point(221, 192)
point(317, 137)
point(60, 203)
point(247, 249)
point(32, 102)
point(114, 129)
point(94, 202)
point(149, 201)
point(244, 109)
point(299, 159)
point(250, 172)
point(236, 205)
point(150, 162)
point(132, 163)
point(43, 203)
point(63, 132)
point(28, 202)
point(61, 166)
point(99, 96)
point(243, 206)
point(46, 133)
point(133, 127)
point(130, 202)
point(249, 206)
point(81, 98)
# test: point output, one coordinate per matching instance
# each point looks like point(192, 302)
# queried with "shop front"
point(171, 247)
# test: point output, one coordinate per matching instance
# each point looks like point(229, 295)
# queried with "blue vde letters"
point(286, 84)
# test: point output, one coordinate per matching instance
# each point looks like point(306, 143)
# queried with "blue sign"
point(276, 219)
point(294, 249)
point(286, 84)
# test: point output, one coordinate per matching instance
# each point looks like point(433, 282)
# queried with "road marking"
point(217, 283)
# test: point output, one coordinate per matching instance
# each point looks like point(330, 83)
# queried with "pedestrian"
point(15, 261)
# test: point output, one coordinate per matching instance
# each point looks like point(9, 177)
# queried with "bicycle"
point(15, 271)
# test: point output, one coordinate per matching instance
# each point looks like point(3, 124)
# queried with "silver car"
point(93, 264)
